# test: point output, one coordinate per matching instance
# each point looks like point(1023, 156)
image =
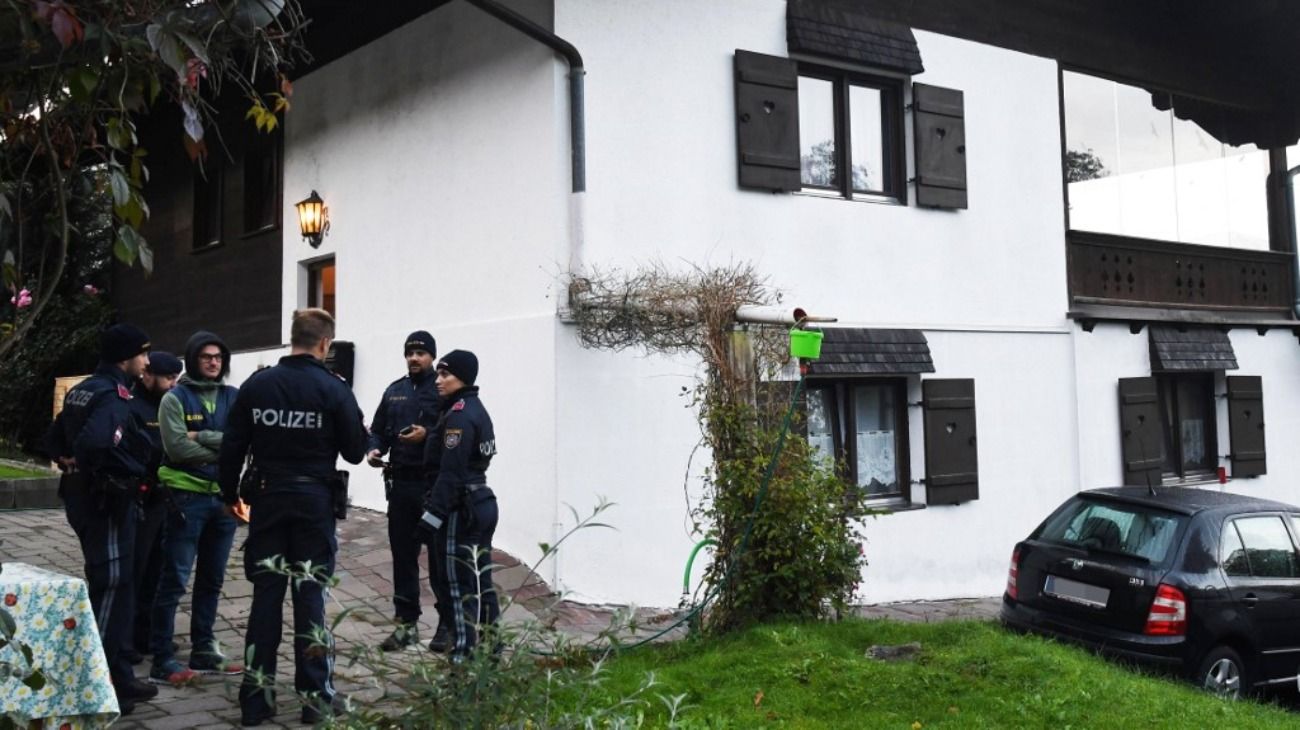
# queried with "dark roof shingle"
point(1196, 348)
point(862, 351)
point(818, 28)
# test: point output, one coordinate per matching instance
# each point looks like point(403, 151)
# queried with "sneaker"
point(441, 641)
point(216, 664)
point(317, 711)
point(136, 691)
point(172, 673)
point(403, 636)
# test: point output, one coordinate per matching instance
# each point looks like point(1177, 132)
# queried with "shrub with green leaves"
point(797, 554)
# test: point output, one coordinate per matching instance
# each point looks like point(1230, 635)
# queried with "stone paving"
point(43, 538)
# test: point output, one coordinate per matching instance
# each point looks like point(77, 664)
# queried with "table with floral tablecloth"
point(53, 617)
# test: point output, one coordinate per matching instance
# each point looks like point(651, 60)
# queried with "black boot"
point(441, 641)
point(403, 636)
point(317, 710)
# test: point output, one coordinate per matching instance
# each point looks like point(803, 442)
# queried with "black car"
point(1205, 583)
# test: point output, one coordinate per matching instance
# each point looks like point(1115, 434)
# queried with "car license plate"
point(1076, 592)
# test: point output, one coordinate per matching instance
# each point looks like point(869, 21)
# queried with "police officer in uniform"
point(460, 501)
point(406, 414)
point(158, 378)
point(296, 419)
point(104, 454)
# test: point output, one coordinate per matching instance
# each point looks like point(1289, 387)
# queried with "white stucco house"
point(1036, 244)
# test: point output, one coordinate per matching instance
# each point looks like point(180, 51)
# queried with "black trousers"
point(105, 524)
point(406, 537)
point(297, 525)
point(469, 561)
point(148, 564)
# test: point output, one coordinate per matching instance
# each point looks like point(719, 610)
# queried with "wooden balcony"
point(1222, 283)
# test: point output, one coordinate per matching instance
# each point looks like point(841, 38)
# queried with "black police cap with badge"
point(164, 363)
point(420, 340)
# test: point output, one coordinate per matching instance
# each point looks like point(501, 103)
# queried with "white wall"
point(662, 172)
point(663, 181)
point(435, 148)
point(1025, 414)
point(442, 151)
point(1111, 352)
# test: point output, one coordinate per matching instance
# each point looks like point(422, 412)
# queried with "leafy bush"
point(64, 342)
point(797, 554)
point(64, 339)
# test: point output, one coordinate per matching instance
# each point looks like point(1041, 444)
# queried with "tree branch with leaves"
point(75, 76)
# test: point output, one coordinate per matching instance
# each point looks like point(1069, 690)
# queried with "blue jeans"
point(197, 536)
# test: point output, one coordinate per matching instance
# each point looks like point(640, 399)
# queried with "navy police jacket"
point(296, 419)
point(98, 429)
point(409, 400)
point(459, 450)
point(145, 408)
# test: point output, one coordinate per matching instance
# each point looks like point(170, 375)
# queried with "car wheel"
point(1223, 673)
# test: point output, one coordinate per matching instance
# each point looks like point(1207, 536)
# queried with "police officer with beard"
point(159, 376)
point(406, 414)
point(459, 502)
point(296, 419)
point(104, 454)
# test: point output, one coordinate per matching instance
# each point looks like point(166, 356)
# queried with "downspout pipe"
point(577, 98)
point(1291, 234)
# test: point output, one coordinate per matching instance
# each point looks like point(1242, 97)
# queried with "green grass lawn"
point(967, 675)
point(13, 472)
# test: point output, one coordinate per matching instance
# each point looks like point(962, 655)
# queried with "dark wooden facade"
point(233, 287)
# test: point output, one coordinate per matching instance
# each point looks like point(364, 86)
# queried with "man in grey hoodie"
point(199, 533)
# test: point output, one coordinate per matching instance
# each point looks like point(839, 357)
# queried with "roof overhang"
point(338, 27)
point(1233, 68)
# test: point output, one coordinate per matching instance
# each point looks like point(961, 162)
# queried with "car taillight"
point(1168, 615)
point(1013, 573)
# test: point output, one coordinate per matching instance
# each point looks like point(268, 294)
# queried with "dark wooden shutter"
point(951, 463)
point(1246, 425)
point(767, 121)
point(940, 130)
point(1142, 438)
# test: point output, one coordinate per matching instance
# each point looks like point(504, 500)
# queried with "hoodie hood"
point(198, 341)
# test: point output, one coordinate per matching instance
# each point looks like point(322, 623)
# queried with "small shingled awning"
point(1196, 348)
point(817, 28)
point(859, 351)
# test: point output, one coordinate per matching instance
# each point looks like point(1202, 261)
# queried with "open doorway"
point(320, 285)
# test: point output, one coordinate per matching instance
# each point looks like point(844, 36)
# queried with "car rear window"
point(1128, 529)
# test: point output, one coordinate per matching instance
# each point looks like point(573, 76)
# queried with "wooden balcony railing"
point(1119, 271)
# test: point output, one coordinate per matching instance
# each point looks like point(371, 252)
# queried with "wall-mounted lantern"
point(313, 219)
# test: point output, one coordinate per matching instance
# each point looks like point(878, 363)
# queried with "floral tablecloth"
point(54, 618)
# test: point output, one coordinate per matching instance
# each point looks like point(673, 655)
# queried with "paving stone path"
point(43, 538)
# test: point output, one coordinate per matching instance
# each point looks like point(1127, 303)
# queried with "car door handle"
point(1250, 600)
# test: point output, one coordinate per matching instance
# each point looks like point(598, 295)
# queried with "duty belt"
point(281, 481)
